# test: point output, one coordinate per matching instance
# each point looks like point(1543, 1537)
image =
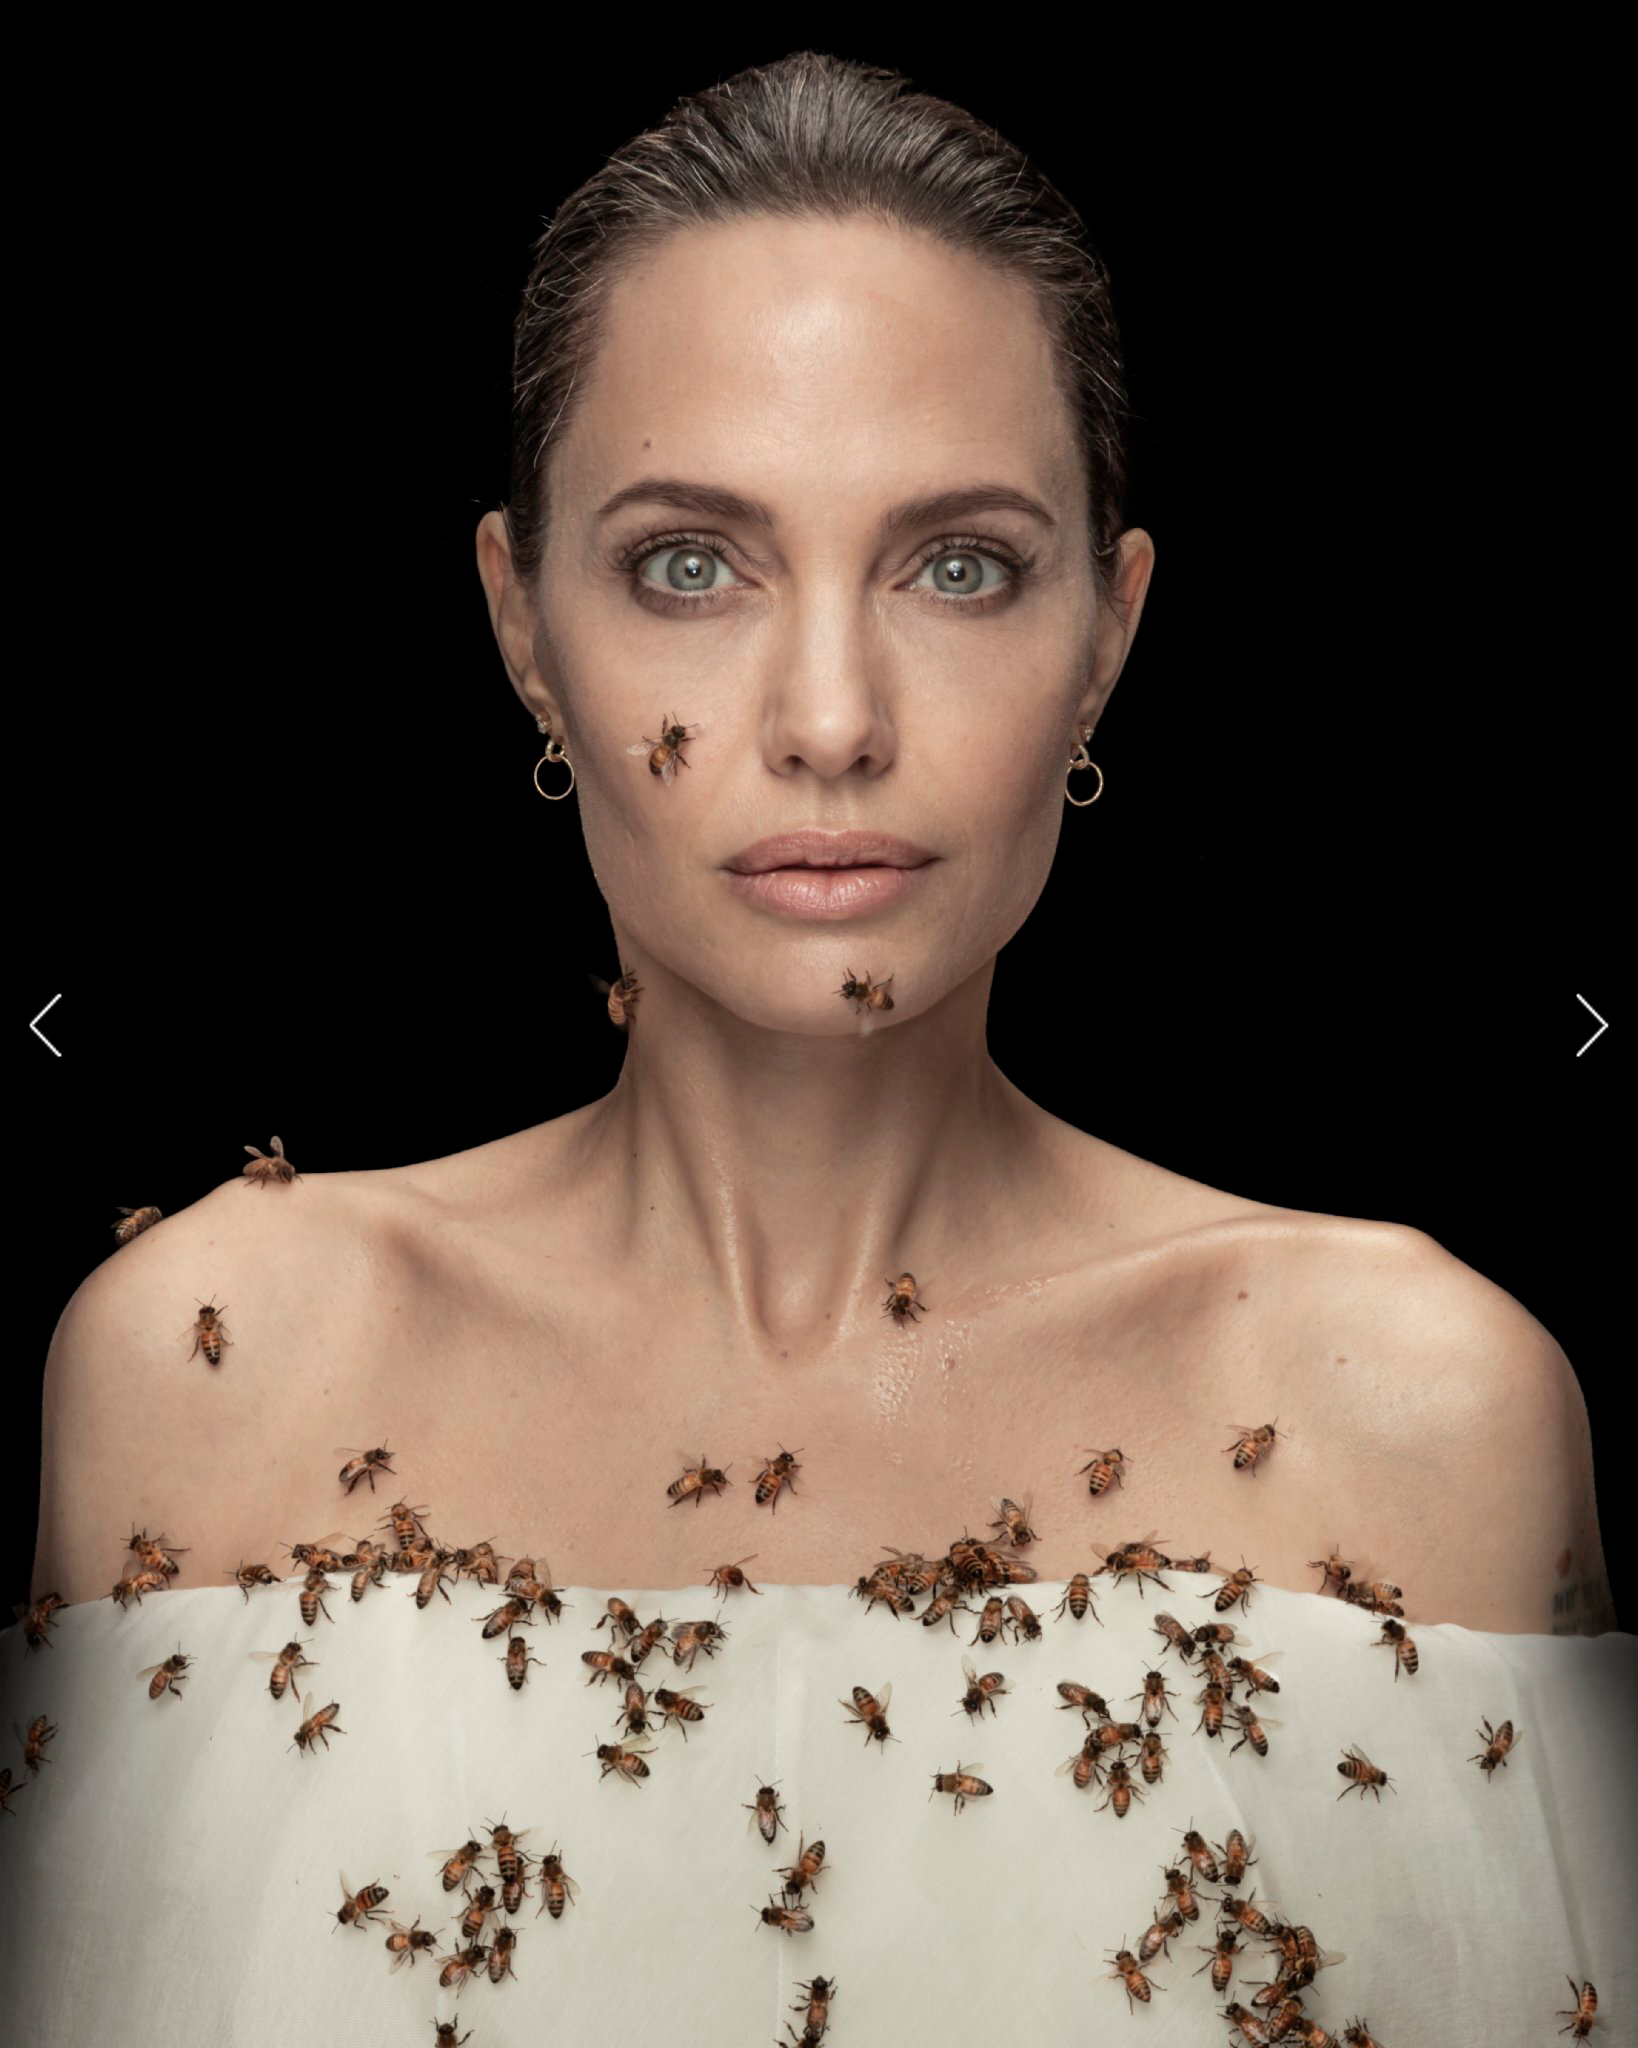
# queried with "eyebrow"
point(931, 510)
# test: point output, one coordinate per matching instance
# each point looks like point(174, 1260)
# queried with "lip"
point(806, 849)
point(826, 893)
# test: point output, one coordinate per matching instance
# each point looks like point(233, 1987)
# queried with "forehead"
point(849, 353)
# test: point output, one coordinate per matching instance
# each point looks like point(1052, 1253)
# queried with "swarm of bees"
point(666, 752)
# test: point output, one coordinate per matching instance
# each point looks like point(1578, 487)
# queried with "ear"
point(514, 617)
point(1118, 618)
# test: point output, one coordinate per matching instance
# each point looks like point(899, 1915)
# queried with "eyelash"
point(632, 559)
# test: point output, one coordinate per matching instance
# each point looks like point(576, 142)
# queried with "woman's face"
point(919, 675)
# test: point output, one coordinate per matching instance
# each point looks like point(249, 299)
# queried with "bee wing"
point(264, 1656)
point(1069, 1764)
point(598, 983)
point(1262, 1656)
point(335, 1536)
point(347, 1891)
point(642, 747)
point(1268, 1721)
point(884, 1696)
point(669, 772)
point(637, 1748)
point(570, 1886)
point(970, 1669)
point(150, 1669)
point(307, 1708)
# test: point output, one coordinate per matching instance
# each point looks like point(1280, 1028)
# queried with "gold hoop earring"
point(1077, 761)
point(555, 751)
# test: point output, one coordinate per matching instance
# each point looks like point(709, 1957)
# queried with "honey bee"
point(1202, 1563)
point(1121, 1790)
point(868, 994)
point(606, 1664)
point(1151, 1751)
point(897, 1599)
point(789, 1919)
point(980, 1691)
point(262, 1168)
point(318, 1727)
point(461, 1965)
point(361, 1464)
point(322, 1555)
point(1158, 1935)
point(557, 1888)
point(624, 1757)
point(952, 1604)
point(1252, 1730)
point(1584, 2013)
point(776, 1472)
point(458, 1863)
point(907, 1568)
point(40, 1731)
point(447, 2037)
point(647, 1638)
point(694, 1636)
point(7, 1789)
point(634, 1711)
point(1252, 1918)
point(1083, 1764)
point(138, 1583)
point(167, 1676)
point(989, 1622)
point(1076, 1695)
point(870, 1711)
point(1213, 1699)
point(1221, 1962)
point(1214, 1632)
point(509, 1615)
point(432, 1579)
point(208, 1331)
point(1176, 1635)
point(500, 1956)
point(1127, 1970)
point(1237, 1857)
point(156, 1553)
point(1104, 1467)
point(133, 1222)
point(473, 1561)
point(1025, 1626)
point(730, 1575)
point(1013, 1521)
point(695, 1479)
point(1204, 1864)
point(805, 1870)
point(768, 1813)
point(38, 1617)
point(1378, 1598)
point(1362, 1773)
point(517, 1661)
point(291, 1658)
point(680, 1706)
point(1252, 1675)
point(1250, 2027)
point(1395, 1637)
point(665, 752)
point(359, 1906)
point(249, 1575)
point(1236, 1586)
point(405, 1523)
point(622, 996)
point(903, 1303)
point(313, 1589)
point(819, 1991)
point(1156, 1697)
point(503, 1844)
point(372, 1569)
point(1336, 1566)
point(618, 1618)
point(1077, 1598)
point(1497, 1741)
point(1141, 1559)
point(476, 1917)
point(1358, 2034)
point(962, 1783)
point(405, 1941)
point(1250, 1445)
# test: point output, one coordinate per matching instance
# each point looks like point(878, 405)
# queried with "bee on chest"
point(775, 1474)
point(696, 1481)
point(361, 1464)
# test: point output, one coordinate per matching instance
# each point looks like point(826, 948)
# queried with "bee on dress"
point(903, 1303)
point(1335, 1567)
point(665, 752)
point(693, 1637)
point(962, 1783)
point(319, 1726)
point(475, 1561)
point(1357, 2034)
point(136, 1584)
point(648, 1637)
point(1380, 1598)
point(476, 1917)
point(768, 1813)
point(1252, 1729)
point(1213, 1699)
point(1156, 1697)
point(980, 1691)
point(1140, 1559)
point(1249, 1673)
point(1121, 1790)
point(727, 1576)
point(7, 1789)
point(634, 1711)
point(133, 1222)
point(1235, 1587)
point(262, 1168)
point(359, 1906)
point(503, 1846)
point(1077, 1598)
point(1584, 2013)
point(775, 1473)
point(459, 1863)
point(323, 1555)
point(500, 1956)
point(618, 1618)
point(1025, 1627)
point(680, 1706)
point(907, 1568)
point(1395, 1637)
point(1128, 1971)
point(1083, 1765)
point(1251, 1917)
point(40, 1731)
point(871, 1590)
point(1250, 1445)
point(291, 1658)
point(810, 1857)
point(1176, 1635)
point(557, 1888)
point(1237, 1857)
point(814, 2005)
point(464, 1963)
point(1106, 1467)
point(406, 1941)
point(695, 1480)
point(951, 1604)
point(1497, 1742)
point(313, 1589)
point(626, 1758)
point(1251, 2029)
point(517, 1661)
point(1082, 1698)
point(1200, 1859)
point(990, 1621)
point(788, 1919)
point(249, 1575)
point(606, 1664)
point(1158, 1934)
point(432, 1579)
point(1014, 1524)
point(37, 1617)
point(362, 1464)
point(209, 1331)
point(1362, 1774)
point(868, 994)
point(1151, 1754)
point(373, 1563)
point(509, 1615)
point(166, 1677)
point(447, 2037)
point(1221, 1963)
point(1212, 1632)
point(870, 1711)
point(622, 996)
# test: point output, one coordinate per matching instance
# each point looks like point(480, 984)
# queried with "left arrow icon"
point(39, 1034)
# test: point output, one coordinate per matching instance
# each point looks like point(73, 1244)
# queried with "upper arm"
point(1468, 1417)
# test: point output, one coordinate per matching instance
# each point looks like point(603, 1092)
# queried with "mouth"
point(854, 853)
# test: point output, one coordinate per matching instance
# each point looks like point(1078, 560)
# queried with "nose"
point(829, 712)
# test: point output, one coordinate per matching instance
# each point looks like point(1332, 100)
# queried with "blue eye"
point(700, 563)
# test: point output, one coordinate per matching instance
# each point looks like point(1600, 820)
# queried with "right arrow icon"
point(1602, 1025)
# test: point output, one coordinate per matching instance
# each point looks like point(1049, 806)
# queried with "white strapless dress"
point(171, 1874)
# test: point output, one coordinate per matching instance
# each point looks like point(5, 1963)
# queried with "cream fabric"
point(171, 1874)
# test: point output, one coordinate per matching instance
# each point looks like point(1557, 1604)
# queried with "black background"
point(1322, 939)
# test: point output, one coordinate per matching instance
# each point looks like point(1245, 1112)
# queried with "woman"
point(814, 577)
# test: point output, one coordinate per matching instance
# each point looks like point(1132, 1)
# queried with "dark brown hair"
point(807, 136)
